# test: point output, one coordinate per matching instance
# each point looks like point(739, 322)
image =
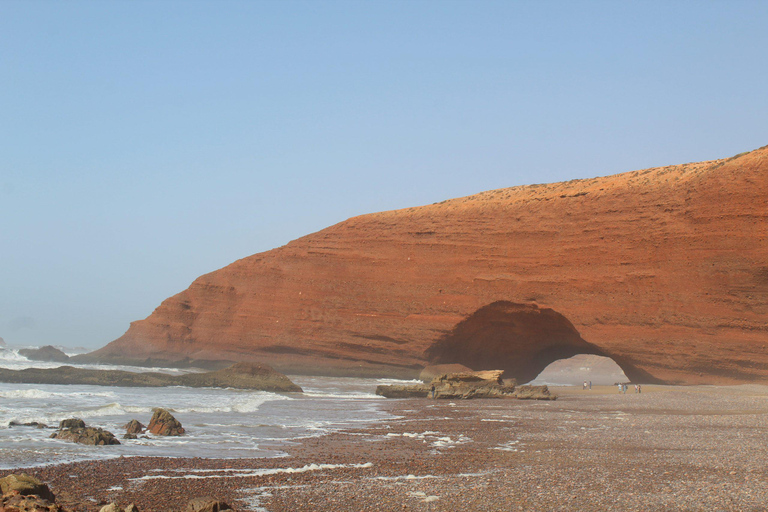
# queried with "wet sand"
point(668, 448)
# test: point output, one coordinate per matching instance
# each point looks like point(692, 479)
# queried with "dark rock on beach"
point(240, 376)
point(485, 384)
point(206, 505)
point(46, 353)
point(25, 485)
point(164, 424)
point(75, 430)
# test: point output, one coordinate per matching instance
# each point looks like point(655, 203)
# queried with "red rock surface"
point(663, 269)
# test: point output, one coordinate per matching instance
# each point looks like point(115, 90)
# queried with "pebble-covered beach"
point(667, 448)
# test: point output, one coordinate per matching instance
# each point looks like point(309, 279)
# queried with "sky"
point(145, 143)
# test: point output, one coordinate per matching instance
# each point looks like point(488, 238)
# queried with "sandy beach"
point(668, 448)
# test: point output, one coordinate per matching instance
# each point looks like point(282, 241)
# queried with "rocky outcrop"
point(47, 353)
point(25, 485)
point(75, 430)
point(164, 424)
point(24, 493)
point(436, 370)
point(664, 270)
point(466, 385)
point(240, 376)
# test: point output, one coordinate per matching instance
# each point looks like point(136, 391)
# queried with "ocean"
point(219, 423)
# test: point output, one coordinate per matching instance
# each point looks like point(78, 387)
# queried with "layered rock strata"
point(665, 270)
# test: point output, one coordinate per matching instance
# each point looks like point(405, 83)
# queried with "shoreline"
point(682, 448)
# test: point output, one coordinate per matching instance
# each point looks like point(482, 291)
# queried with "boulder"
point(206, 505)
point(465, 385)
point(25, 485)
point(46, 353)
point(134, 427)
point(164, 424)
point(75, 430)
point(71, 423)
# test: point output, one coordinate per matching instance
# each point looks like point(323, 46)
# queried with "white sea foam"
point(435, 438)
point(404, 477)
point(226, 473)
point(509, 446)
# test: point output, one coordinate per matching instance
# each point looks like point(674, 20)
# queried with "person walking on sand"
point(590, 385)
point(639, 389)
point(621, 386)
point(433, 391)
point(584, 386)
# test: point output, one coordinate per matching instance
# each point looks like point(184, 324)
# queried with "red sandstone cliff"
point(664, 269)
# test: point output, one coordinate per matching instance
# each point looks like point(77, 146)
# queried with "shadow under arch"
point(521, 339)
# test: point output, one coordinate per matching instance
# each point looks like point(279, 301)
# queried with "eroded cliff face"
point(665, 270)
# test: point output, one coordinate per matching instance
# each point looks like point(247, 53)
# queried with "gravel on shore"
point(668, 448)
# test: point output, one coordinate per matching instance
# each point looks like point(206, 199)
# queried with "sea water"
point(219, 423)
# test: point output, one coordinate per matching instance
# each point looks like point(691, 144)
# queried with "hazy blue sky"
point(143, 144)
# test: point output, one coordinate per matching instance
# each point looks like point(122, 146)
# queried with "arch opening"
point(574, 371)
point(521, 339)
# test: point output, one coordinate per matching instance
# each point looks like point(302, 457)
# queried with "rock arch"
point(521, 339)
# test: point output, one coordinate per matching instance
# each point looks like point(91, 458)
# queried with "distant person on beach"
point(636, 391)
point(621, 387)
point(590, 384)
point(639, 389)
point(584, 386)
point(433, 391)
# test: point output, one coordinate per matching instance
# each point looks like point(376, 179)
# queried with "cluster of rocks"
point(25, 493)
point(162, 424)
point(465, 385)
point(74, 429)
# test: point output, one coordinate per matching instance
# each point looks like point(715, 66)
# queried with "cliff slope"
point(665, 270)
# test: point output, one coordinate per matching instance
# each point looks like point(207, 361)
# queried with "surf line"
point(230, 473)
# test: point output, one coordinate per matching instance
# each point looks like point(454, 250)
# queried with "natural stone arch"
point(521, 339)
